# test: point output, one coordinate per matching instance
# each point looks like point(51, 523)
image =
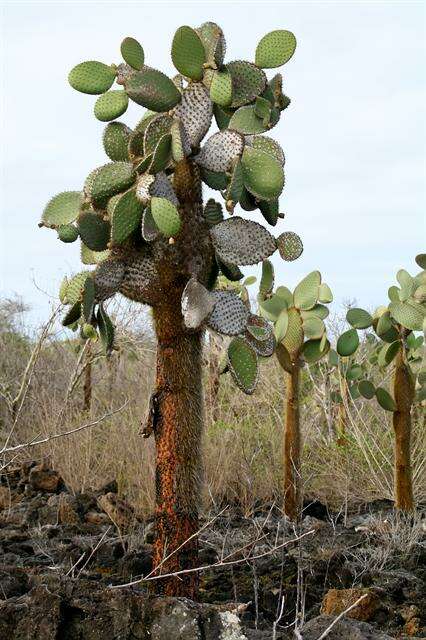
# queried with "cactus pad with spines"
point(267, 145)
point(242, 242)
point(109, 180)
point(246, 121)
point(229, 315)
point(243, 364)
point(221, 88)
point(132, 53)
point(263, 174)
point(213, 213)
point(156, 128)
point(219, 151)
point(195, 111)
point(111, 105)
point(275, 49)
point(126, 215)
point(197, 303)
point(347, 343)
point(108, 277)
point(152, 89)
point(307, 291)
point(166, 216)
point(290, 246)
point(91, 77)
point(68, 233)
point(248, 82)
point(62, 209)
point(188, 53)
point(94, 230)
point(149, 229)
point(116, 140)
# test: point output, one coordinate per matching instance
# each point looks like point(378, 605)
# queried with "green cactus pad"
point(248, 82)
point(347, 343)
point(318, 311)
point(229, 315)
point(195, 111)
point(222, 116)
point(230, 271)
point(263, 109)
point(263, 175)
point(290, 246)
point(242, 242)
point(359, 319)
point(385, 400)
point(293, 340)
point(72, 315)
point(88, 256)
point(126, 215)
point(236, 185)
point(162, 155)
point(214, 180)
point(109, 180)
point(313, 328)
point(213, 213)
point(281, 326)
point(162, 188)
point(406, 282)
point(62, 209)
point(307, 291)
point(267, 279)
point(284, 358)
point(188, 53)
point(132, 53)
point(115, 140)
point(385, 328)
point(197, 303)
point(91, 77)
point(111, 105)
point(221, 88)
point(75, 287)
point(267, 145)
point(94, 230)
point(388, 353)
point(246, 121)
point(212, 37)
point(152, 89)
point(393, 294)
point(366, 389)
point(67, 233)
point(270, 211)
point(242, 362)
point(421, 260)
point(108, 277)
point(314, 350)
point(272, 307)
point(157, 127)
point(408, 314)
point(260, 336)
point(106, 329)
point(88, 302)
point(220, 150)
point(275, 49)
point(325, 294)
point(149, 229)
point(63, 290)
point(166, 216)
point(420, 294)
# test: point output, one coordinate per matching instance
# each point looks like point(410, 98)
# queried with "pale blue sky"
point(354, 135)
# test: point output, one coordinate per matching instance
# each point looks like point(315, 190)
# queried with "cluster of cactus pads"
point(298, 317)
point(394, 328)
point(132, 216)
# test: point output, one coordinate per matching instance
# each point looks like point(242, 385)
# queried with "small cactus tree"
point(141, 222)
point(394, 326)
point(301, 337)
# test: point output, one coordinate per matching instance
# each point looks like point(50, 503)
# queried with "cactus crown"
point(394, 326)
point(140, 217)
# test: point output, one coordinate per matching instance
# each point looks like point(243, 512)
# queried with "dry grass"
point(242, 446)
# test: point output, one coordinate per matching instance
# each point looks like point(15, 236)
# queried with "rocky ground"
point(63, 557)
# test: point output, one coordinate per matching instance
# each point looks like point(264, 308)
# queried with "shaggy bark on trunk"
point(404, 396)
point(292, 444)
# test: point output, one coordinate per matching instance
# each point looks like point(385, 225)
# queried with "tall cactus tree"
point(141, 222)
point(301, 337)
point(395, 325)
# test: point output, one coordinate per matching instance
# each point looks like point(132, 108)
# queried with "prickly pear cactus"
point(395, 333)
point(140, 217)
point(297, 317)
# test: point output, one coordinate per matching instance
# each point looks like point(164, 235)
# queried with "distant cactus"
point(301, 337)
point(394, 328)
point(142, 223)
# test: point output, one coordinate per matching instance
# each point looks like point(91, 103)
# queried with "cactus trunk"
point(177, 429)
point(404, 396)
point(292, 444)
